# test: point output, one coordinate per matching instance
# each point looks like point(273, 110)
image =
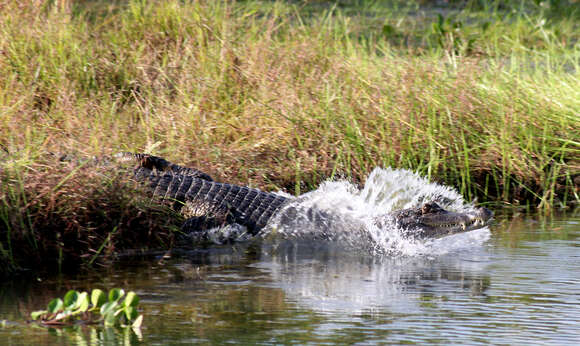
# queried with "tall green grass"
point(481, 96)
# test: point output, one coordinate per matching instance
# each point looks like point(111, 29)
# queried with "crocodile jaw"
point(442, 224)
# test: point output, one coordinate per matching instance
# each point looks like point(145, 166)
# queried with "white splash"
point(339, 213)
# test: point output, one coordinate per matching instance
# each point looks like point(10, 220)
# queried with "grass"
point(483, 96)
point(72, 215)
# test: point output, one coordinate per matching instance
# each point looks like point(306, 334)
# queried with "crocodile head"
point(432, 221)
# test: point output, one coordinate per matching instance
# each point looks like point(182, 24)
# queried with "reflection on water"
point(335, 285)
point(522, 285)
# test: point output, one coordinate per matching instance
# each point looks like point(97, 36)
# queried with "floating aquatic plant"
point(78, 307)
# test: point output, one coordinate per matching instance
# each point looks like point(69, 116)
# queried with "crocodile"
point(206, 204)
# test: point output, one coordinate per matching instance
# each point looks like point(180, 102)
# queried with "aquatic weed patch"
point(114, 309)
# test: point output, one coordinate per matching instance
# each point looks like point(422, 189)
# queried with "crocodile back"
point(230, 203)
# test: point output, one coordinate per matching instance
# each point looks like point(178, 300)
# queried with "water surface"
point(521, 285)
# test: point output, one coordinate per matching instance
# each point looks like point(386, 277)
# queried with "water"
point(517, 282)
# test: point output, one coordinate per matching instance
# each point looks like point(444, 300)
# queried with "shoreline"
point(64, 216)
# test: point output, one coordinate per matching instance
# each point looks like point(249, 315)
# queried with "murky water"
point(514, 283)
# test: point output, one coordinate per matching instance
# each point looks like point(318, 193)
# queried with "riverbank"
point(72, 215)
point(277, 96)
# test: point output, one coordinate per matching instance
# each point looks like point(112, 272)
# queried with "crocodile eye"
point(146, 162)
point(430, 208)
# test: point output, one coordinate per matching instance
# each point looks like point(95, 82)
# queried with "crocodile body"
point(207, 204)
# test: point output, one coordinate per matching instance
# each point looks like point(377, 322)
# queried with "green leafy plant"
point(77, 307)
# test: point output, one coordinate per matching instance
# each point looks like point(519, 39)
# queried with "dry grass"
point(65, 215)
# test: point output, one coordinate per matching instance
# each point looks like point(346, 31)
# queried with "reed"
point(284, 95)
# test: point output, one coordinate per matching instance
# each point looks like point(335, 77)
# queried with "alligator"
point(206, 204)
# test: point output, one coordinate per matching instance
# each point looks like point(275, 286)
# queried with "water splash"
point(392, 189)
point(339, 213)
